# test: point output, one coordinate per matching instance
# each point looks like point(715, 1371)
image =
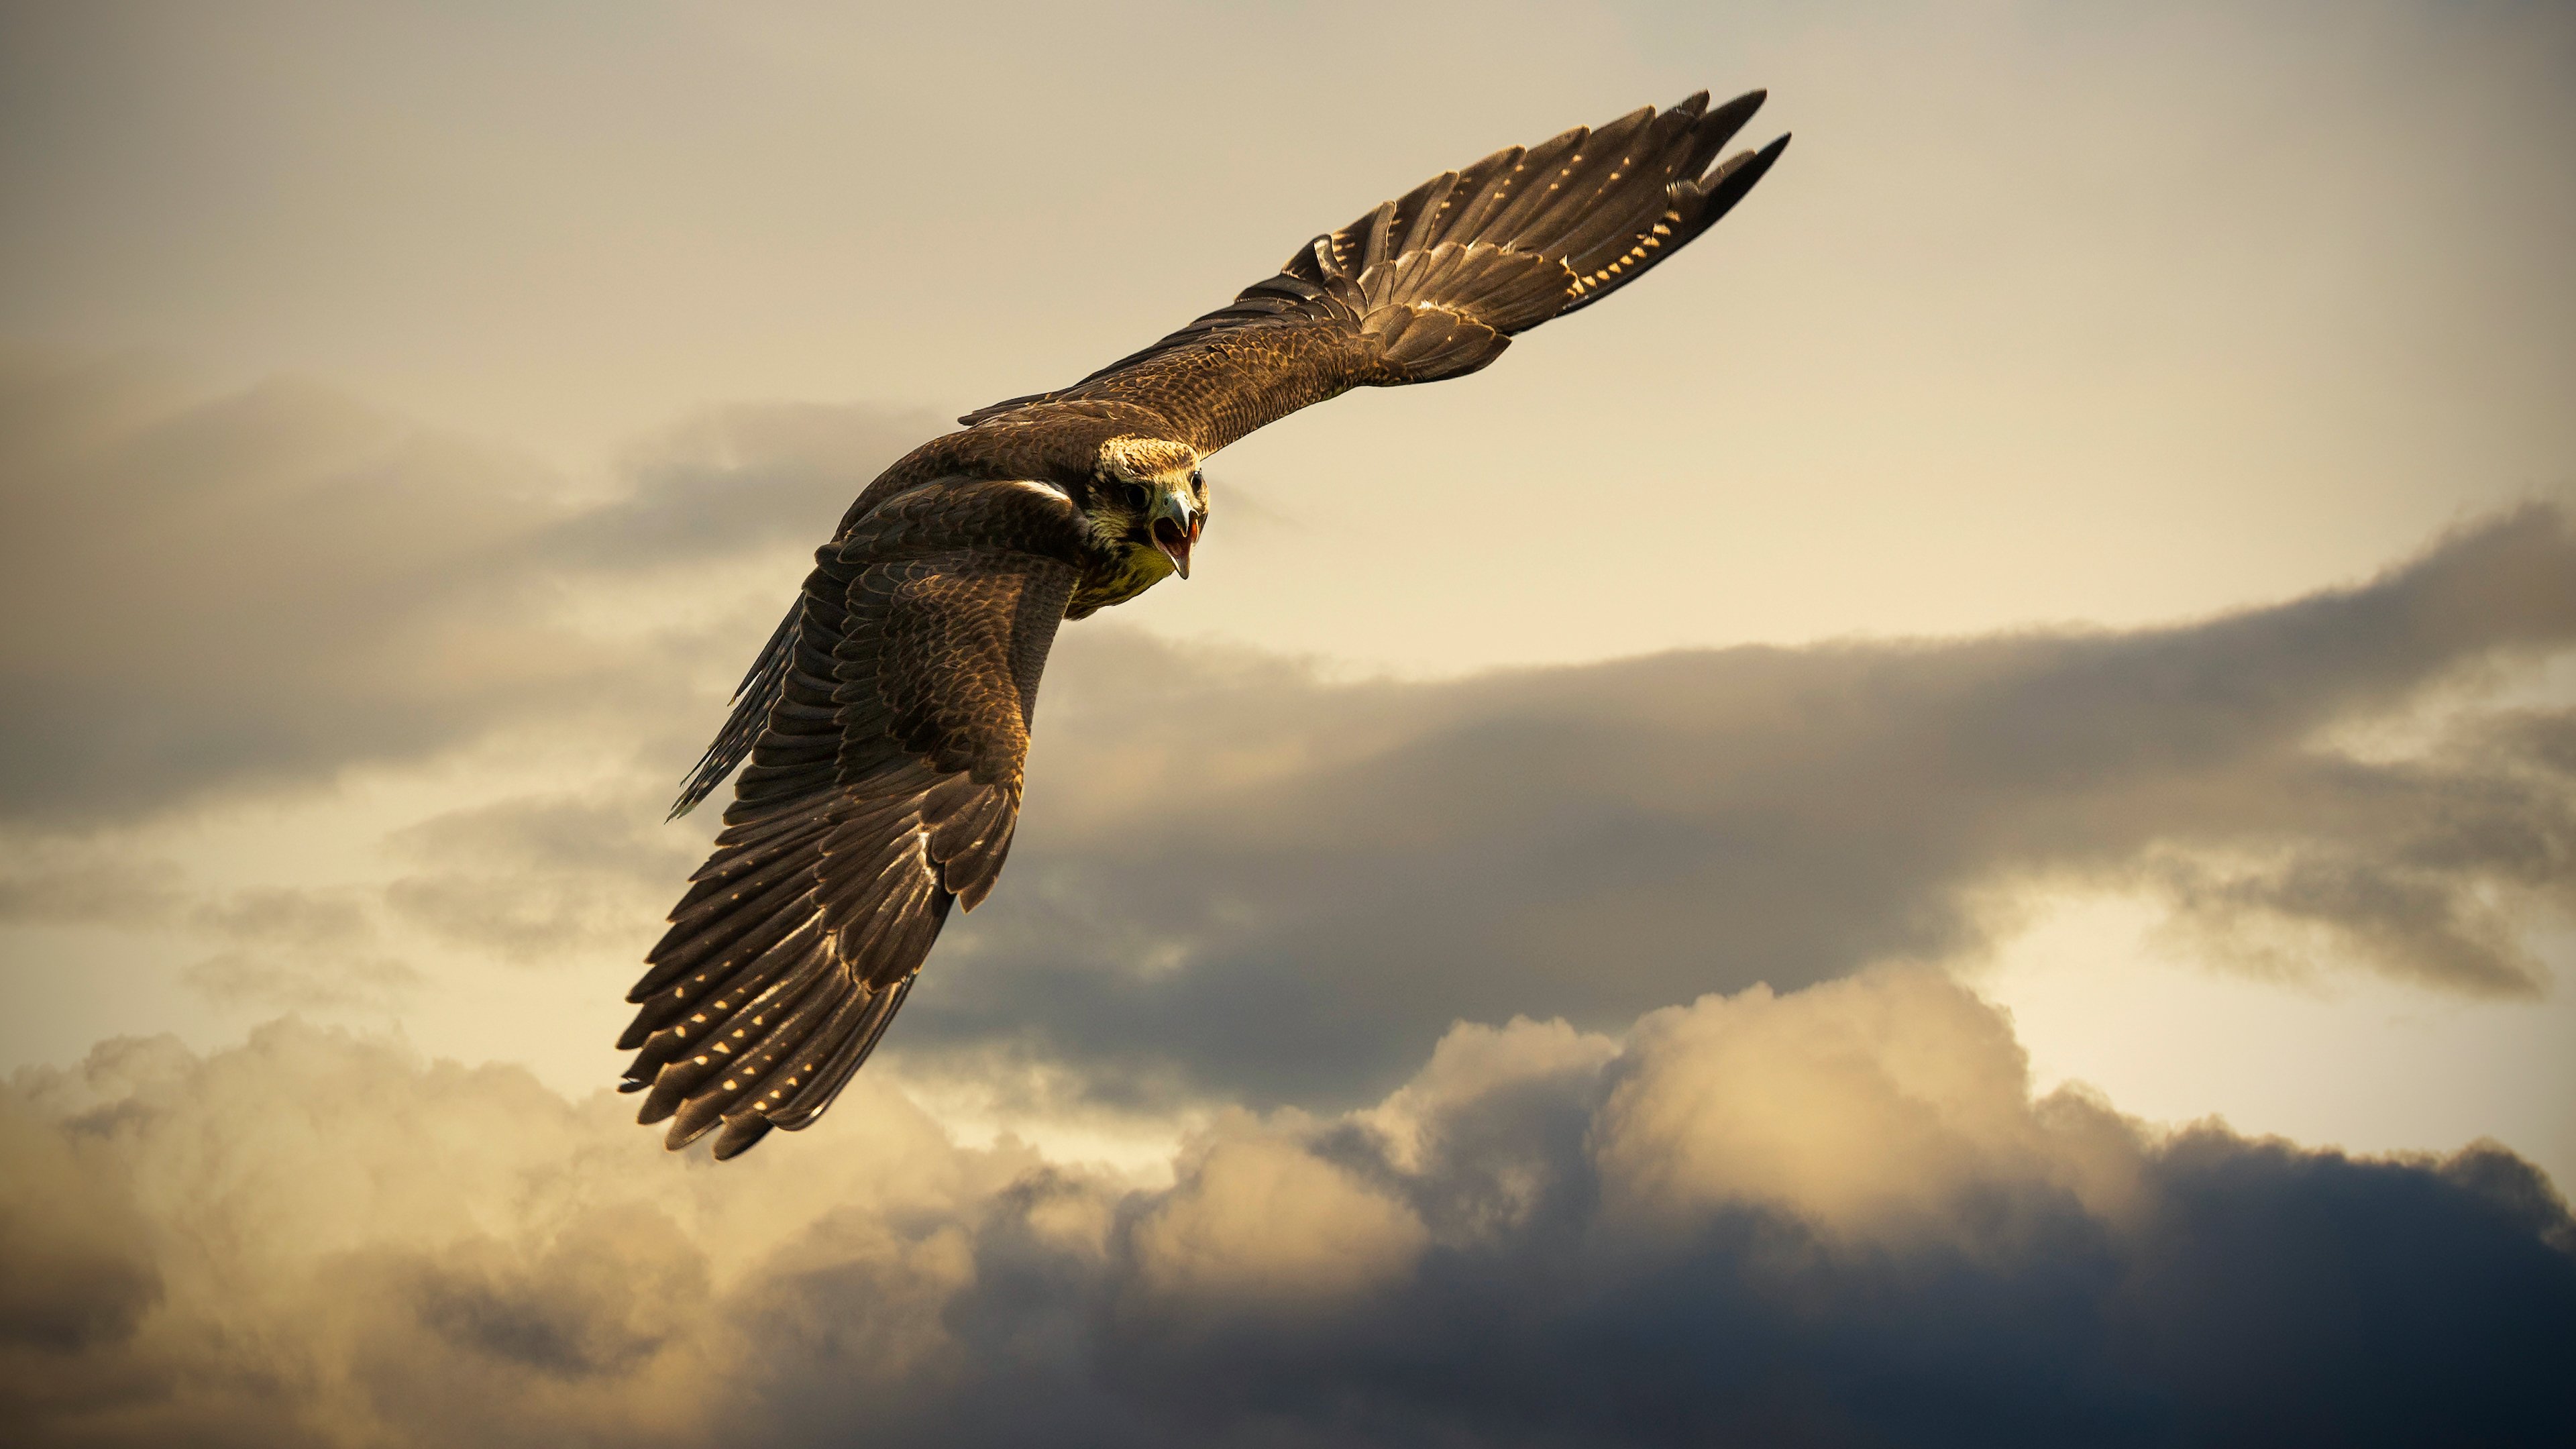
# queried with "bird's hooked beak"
point(1176, 525)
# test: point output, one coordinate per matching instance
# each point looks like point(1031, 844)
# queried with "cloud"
point(80, 1269)
point(60, 885)
point(532, 878)
point(260, 589)
point(1235, 880)
point(1264, 1220)
point(272, 946)
point(1232, 874)
point(1872, 1107)
point(287, 981)
point(1829, 1215)
point(731, 481)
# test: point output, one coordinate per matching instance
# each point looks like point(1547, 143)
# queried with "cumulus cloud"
point(80, 1273)
point(1870, 1107)
point(1829, 1215)
point(1266, 1221)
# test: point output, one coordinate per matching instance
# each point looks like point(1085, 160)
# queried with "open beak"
point(1176, 530)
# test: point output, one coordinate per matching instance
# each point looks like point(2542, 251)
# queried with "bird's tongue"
point(1169, 537)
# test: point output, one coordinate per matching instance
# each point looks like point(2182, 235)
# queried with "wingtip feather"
point(740, 1135)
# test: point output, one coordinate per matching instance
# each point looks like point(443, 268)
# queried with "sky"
point(1952, 821)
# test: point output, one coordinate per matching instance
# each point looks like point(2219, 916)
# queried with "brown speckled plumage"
point(887, 720)
point(1435, 283)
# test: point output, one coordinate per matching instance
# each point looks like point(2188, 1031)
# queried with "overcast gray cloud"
point(1232, 874)
point(1827, 1216)
point(258, 589)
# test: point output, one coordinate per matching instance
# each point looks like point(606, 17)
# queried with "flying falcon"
point(887, 719)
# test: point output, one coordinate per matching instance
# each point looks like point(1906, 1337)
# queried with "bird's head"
point(1147, 495)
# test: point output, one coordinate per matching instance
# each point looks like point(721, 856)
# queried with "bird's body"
point(887, 720)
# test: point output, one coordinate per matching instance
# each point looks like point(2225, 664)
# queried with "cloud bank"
point(1241, 875)
point(1817, 1206)
point(1235, 880)
point(1833, 1215)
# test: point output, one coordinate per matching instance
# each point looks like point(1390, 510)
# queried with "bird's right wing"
point(1435, 283)
point(886, 725)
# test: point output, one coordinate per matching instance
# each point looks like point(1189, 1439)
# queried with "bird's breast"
point(1115, 575)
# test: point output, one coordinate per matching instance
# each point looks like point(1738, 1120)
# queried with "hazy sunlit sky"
point(2120, 455)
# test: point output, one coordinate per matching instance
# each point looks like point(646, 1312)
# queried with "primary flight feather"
point(887, 719)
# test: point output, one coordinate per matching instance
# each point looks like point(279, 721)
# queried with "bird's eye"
point(1133, 493)
point(1198, 484)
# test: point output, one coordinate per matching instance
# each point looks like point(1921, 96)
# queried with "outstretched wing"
point(887, 724)
point(1435, 283)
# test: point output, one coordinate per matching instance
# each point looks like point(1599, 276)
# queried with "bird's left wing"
point(1435, 283)
point(887, 727)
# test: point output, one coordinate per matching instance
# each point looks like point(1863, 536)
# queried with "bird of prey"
point(888, 717)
